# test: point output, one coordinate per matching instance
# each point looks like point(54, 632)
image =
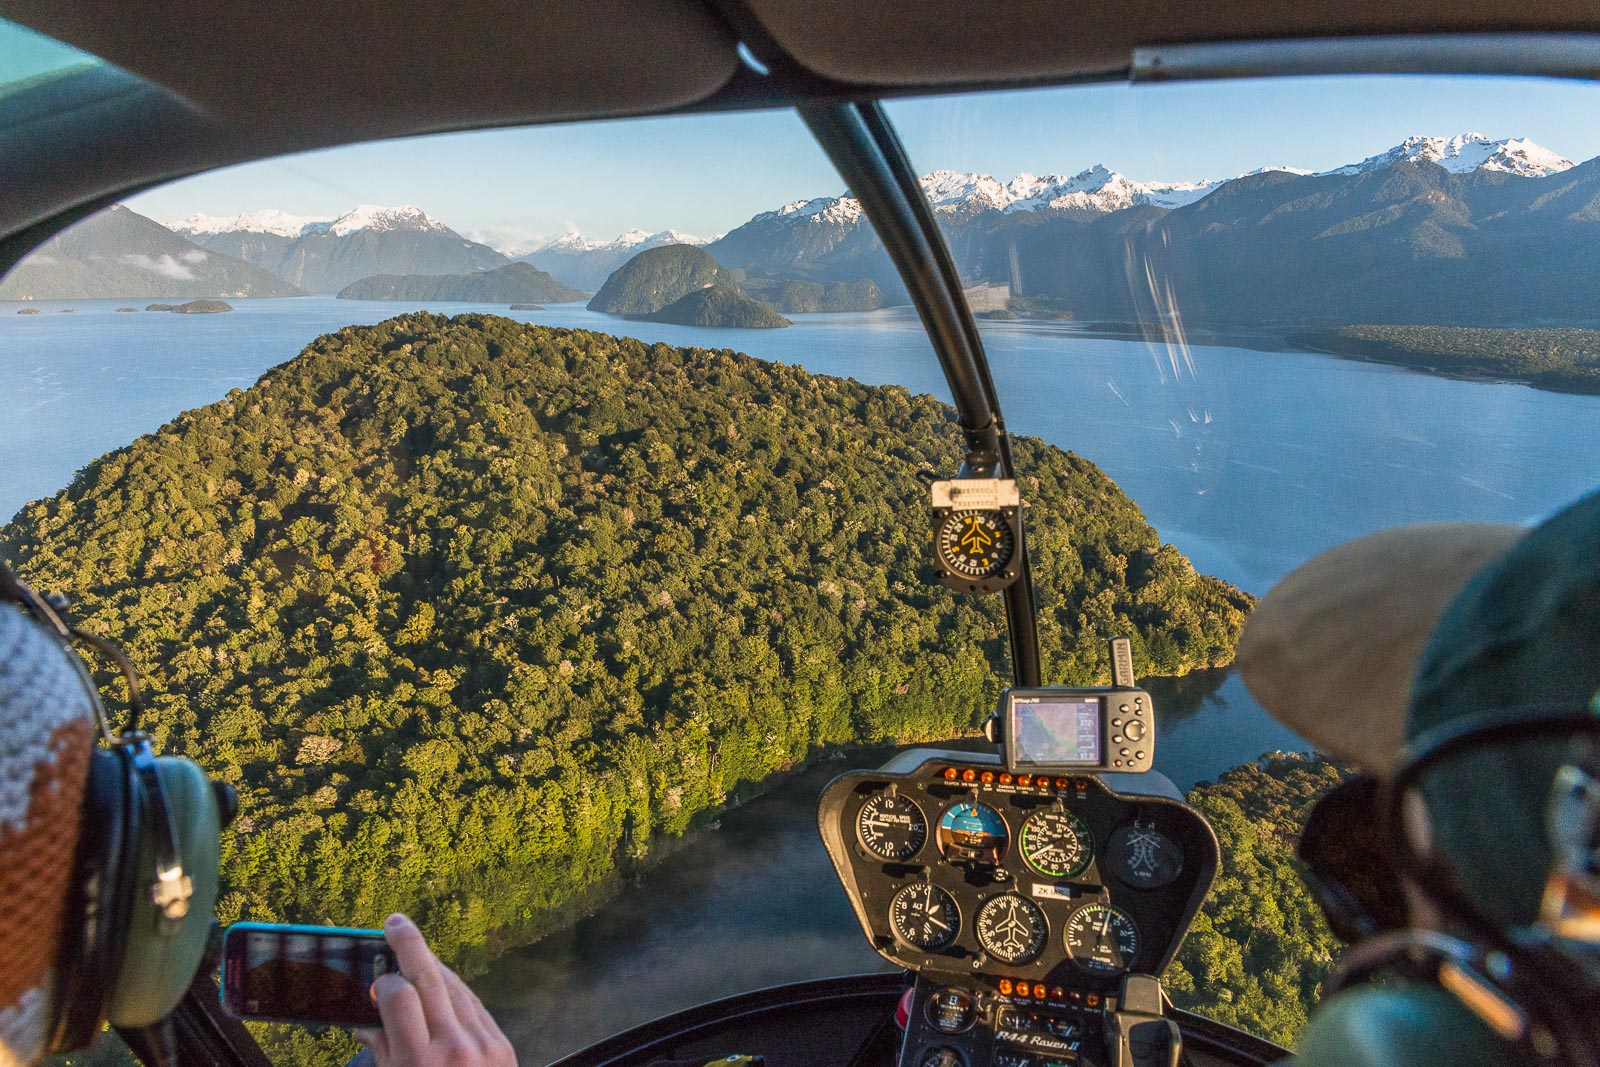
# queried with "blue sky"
point(707, 174)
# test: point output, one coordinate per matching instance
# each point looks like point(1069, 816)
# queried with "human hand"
point(430, 1017)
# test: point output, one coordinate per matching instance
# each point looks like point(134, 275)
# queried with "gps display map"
point(1046, 732)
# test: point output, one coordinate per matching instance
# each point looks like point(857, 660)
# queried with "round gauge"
point(892, 827)
point(924, 916)
point(1056, 843)
point(943, 1056)
point(974, 544)
point(1142, 857)
point(1102, 938)
point(1011, 928)
point(952, 1010)
point(973, 831)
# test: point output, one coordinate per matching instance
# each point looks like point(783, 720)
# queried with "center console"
point(1035, 909)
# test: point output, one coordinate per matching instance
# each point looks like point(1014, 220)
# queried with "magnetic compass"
point(975, 544)
point(977, 528)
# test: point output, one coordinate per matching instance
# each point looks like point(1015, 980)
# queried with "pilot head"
point(1387, 651)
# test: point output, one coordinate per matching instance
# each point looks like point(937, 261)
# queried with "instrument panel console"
point(1026, 904)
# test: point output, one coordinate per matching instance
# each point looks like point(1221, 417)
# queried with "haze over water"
point(1248, 461)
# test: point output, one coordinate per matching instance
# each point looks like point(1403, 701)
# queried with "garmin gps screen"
point(1063, 731)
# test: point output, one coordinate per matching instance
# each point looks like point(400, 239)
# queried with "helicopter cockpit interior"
point(1022, 895)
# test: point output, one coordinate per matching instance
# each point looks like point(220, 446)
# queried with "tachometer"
point(924, 916)
point(1011, 928)
point(973, 831)
point(1102, 939)
point(892, 827)
point(974, 544)
point(1056, 843)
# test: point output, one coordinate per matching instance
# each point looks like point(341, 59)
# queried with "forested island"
point(1565, 360)
point(470, 610)
point(719, 305)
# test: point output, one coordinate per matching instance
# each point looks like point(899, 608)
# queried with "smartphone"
point(303, 974)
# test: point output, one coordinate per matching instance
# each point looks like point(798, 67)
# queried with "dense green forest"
point(1564, 360)
point(469, 609)
point(1260, 948)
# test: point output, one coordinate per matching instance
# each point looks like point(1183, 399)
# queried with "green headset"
point(146, 871)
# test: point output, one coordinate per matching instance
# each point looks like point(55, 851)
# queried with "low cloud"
point(164, 265)
point(194, 255)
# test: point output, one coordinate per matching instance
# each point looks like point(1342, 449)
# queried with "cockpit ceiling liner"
point(955, 42)
point(379, 68)
point(383, 67)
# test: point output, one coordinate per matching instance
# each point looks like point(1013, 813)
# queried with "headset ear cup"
point(159, 965)
point(91, 942)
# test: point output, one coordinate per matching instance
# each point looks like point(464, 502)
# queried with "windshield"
point(526, 521)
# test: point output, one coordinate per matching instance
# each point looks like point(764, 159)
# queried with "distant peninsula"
point(1562, 360)
point(519, 283)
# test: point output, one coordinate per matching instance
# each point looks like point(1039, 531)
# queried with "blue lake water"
point(1248, 461)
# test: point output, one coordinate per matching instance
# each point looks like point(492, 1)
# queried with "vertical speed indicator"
point(892, 827)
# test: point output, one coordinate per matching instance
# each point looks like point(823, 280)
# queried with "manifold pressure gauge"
point(977, 526)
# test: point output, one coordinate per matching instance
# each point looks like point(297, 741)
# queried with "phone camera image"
point(303, 974)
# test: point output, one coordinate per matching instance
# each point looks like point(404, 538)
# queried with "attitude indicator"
point(973, 832)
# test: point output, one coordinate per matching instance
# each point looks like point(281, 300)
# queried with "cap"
point(1332, 650)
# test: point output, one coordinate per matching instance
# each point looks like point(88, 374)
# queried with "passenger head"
point(47, 735)
point(108, 854)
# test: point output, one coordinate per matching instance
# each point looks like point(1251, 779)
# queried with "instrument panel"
point(1059, 885)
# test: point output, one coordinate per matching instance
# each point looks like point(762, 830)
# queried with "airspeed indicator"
point(892, 827)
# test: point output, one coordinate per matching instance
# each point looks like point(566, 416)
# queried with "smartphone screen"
point(303, 974)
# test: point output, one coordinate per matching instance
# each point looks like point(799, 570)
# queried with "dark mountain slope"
point(120, 253)
point(657, 277)
point(503, 285)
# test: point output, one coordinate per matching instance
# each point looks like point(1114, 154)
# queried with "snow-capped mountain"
point(1465, 153)
point(326, 254)
point(586, 263)
point(271, 221)
point(282, 224)
point(120, 253)
point(376, 218)
point(573, 241)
